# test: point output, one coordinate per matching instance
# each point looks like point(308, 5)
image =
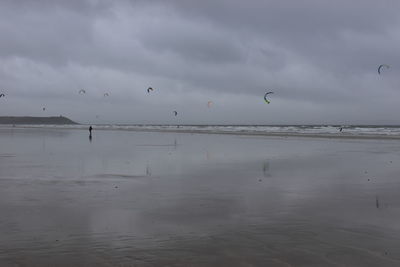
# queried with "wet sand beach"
point(129, 198)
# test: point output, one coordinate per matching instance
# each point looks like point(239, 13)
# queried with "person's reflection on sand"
point(90, 138)
point(266, 169)
point(148, 170)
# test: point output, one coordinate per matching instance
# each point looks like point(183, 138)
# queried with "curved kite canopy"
point(2, 95)
point(175, 112)
point(149, 89)
point(209, 103)
point(265, 97)
point(82, 91)
point(382, 66)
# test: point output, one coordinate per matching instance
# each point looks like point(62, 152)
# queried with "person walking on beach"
point(90, 133)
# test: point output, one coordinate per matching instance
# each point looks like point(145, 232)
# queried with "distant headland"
point(35, 120)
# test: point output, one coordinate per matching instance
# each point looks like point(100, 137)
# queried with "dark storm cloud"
point(54, 32)
point(333, 34)
point(320, 58)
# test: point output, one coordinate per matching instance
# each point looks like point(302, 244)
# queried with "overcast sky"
point(319, 57)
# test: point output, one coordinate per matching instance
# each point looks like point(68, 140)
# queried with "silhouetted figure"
point(90, 132)
point(341, 129)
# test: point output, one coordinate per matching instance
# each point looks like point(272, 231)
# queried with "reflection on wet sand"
point(266, 169)
point(126, 200)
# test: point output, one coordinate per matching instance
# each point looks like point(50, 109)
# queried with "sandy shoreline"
point(175, 199)
point(218, 132)
point(277, 134)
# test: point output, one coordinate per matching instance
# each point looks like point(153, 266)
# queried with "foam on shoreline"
point(349, 132)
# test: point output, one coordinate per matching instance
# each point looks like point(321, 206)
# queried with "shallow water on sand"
point(165, 199)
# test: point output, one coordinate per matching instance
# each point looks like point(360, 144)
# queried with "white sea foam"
point(349, 130)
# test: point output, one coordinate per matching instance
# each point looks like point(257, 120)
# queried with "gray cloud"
point(320, 58)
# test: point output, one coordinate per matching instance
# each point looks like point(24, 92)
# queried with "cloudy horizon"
point(320, 59)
